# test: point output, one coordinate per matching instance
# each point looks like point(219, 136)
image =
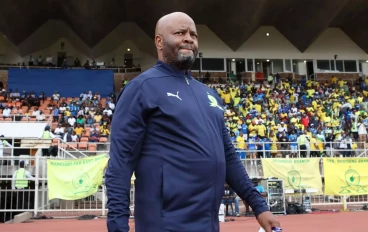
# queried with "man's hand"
point(267, 221)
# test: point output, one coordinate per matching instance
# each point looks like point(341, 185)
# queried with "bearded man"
point(169, 130)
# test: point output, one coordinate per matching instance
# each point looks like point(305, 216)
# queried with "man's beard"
point(177, 60)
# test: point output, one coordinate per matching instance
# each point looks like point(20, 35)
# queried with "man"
point(20, 177)
point(20, 181)
point(260, 189)
point(3, 143)
point(47, 134)
point(230, 198)
point(169, 129)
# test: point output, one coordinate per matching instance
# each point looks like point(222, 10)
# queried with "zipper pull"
point(186, 79)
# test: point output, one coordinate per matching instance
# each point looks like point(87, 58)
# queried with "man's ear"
point(159, 42)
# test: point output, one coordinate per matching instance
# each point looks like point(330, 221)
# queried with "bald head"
point(168, 20)
point(176, 40)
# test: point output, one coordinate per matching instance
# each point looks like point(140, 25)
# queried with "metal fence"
point(284, 150)
point(35, 198)
point(115, 68)
point(23, 118)
point(36, 146)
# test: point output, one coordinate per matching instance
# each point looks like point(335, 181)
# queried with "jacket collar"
point(172, 70)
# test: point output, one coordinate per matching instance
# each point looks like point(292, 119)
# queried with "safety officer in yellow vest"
point(21, 177)
point(303, 142)
point(47, 134)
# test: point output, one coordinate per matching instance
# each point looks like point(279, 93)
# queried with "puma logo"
point(173, 95)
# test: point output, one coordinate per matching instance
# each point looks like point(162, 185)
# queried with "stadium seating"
point(256, 115)
point(25, 109)
point(327, 119)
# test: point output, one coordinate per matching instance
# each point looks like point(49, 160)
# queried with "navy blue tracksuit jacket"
point(170, 130)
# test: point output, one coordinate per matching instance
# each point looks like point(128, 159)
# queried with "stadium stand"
point(317, 118)
point(269, 117)
point(81, 120)
point(79, 125)
point(265, 118)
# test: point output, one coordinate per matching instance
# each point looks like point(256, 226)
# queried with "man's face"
point(180, 44)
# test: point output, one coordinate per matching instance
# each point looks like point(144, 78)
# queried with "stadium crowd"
point(283, 116)
point(265, 119)
point(68, 116)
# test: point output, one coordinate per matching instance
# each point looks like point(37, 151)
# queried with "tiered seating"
point(26, 115)
point(84, 143)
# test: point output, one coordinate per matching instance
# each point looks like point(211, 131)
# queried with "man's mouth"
point(186, 48)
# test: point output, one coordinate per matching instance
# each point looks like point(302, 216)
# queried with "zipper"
point(205, 121)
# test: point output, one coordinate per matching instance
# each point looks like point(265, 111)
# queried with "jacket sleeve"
point(127, 133)
point(238, 179)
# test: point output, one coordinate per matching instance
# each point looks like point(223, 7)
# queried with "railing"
point(80, 149)
point(116, 69)
point(64, 150)
point(330, 151)
point(23, 118)
point(35, 199)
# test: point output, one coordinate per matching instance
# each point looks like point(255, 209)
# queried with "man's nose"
point(188, 38)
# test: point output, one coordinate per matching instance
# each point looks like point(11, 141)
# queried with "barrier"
point(37, 195)
point(115, 69)
point(33, 146)
point(80, 149)
point(23, 118)
point(35, 199)
point(283, 149)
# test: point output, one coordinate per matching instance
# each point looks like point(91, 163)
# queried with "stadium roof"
point(233, 21)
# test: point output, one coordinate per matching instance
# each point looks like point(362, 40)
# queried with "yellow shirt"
point(258, 108)
point(252, 129)
point(292, 98)
point(310, 92)
point(236, 100)
point(240, 142)
point(227, 98)
point(293, 120)
point(261, 129)
point(327, 119)
point(274, 145)
point(105, 131)
point(352, 102)
point(312, 143)
point(78, 130)
point(233, 92)
point(97, 118)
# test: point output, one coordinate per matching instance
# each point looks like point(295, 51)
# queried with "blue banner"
point(68, 82)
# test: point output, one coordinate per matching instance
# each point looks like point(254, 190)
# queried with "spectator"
point(79, 130)
point(94, 137)
point(104, 132)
